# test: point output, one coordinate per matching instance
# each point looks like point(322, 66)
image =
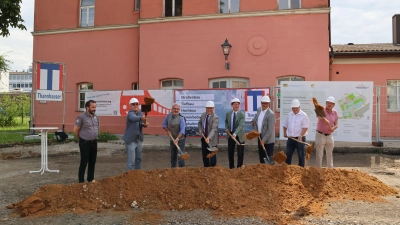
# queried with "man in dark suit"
point(234, 124)
point(208, 126)
point(264, 123)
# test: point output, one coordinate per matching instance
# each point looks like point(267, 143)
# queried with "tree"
point(4, 64)
point(10, 15)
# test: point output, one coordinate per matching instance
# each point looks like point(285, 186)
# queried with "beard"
point(92, 112)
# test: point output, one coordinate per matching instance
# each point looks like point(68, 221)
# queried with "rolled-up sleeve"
point(182, 126)
point(165, 123)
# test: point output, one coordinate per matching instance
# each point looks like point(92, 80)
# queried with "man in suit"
point(264, 123)
point(208, 126)
point(234, 124)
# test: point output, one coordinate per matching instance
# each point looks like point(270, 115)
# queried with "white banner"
point(48, 95)
point(354, 104)
point(107, 102)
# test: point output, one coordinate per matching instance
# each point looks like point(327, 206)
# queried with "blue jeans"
point(292, 145)
point(174, 153)
point(134, 151)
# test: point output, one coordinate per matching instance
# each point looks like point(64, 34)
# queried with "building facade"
point(20, 80)
point(170, 44)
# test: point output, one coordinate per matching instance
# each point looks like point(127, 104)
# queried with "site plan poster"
point(354, 104)
point(193, 104)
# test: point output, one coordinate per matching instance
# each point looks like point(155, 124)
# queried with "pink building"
point(165, 44)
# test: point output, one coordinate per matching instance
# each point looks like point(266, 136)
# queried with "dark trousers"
point(204, 152)
point(231, 153)
point(88, 151)
point(261, 153)
point(292, 145)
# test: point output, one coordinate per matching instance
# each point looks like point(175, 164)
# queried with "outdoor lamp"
point(226, 49)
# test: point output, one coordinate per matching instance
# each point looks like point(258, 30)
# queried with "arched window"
point(229, 82)
point(172, 84)
point(83, 88)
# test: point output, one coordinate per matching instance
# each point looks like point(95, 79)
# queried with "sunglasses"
point(134, 103)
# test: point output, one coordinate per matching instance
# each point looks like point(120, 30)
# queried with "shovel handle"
point(205, 139)
point(177, 146)
point(260, 143)
point(299, 141)
point(234, 138)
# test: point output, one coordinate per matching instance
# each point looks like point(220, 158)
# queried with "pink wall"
point(108, 59)
point(197, 7)
point(191, 50)
point(307, 4)
point(258, 5)
point(379, 74)
point(50, 16)
point(151, 9)
point(109, 12)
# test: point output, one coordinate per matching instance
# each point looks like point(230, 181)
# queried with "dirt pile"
point(274, 193)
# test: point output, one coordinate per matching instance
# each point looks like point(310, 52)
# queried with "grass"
point(16, 134)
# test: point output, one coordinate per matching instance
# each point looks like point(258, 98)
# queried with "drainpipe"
point(331, 52)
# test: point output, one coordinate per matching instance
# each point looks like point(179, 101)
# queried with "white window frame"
point(396, 94)
point(289, 4)
point(87, 8)
point(278, 82)
point(137, 5)
point(173, 85)
point(229, 6)
point(173, 8)
point(82, 89)
point(229, 81)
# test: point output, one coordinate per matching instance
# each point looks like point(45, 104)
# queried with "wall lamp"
point(226, 49)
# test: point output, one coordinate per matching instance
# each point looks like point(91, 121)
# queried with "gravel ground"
point(17, 183)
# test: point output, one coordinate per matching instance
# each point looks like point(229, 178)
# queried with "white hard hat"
point(133, 100)
point(331, 99)
point(235, 100)
point(210, 104)
point(295, 103)
point(265, 99)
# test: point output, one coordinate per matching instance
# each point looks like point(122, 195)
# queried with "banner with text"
point(353, 103)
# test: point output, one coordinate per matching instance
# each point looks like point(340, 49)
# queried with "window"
point(229, 6)
point(172, 8)
point(83, 88)
point(171, 84)
point(135, 86)
point(229, 83)
point(87, 13)
point(137, 5)
point(393, 95)
point(288, 78)
point(289, 4)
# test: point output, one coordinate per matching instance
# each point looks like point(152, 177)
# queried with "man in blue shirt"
point(174, 124)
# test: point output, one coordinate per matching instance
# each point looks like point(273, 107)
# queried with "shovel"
point(309, 149)
point(213, 150)
point(252, 134)
point(181, 155)
point(147, 107)
point(237, 143)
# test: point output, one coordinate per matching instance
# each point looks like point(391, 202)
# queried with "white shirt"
point(295, 123)
point(260, 120)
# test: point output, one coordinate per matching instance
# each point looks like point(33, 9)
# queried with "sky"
point(351, 22)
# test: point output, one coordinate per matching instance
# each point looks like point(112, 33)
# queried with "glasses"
point(134, 103)
point(175, 108)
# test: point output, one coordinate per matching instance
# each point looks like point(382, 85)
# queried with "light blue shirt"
point(181, 125)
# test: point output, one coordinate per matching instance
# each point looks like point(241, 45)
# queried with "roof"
point(367, 48)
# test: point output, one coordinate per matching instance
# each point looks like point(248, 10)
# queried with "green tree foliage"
point(12, 106)
point(10, 15)
point(4, 63)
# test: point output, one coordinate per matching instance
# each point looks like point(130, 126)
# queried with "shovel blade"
point(213, 149)
point(268, 161)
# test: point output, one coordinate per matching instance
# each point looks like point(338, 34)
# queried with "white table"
point(43, 149)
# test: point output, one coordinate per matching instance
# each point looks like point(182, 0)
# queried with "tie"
point(206, 129)
point(234, 123)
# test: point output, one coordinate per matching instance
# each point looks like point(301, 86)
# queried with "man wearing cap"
point(208, 126)
point(174, 124)
point(295, 126)
point(234, 124)
point(133, 136)
point(264, 123)
point(323, 136)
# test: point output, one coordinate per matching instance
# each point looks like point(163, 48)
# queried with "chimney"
point(396, 29)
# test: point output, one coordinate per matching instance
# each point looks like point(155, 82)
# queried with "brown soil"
point(280, 157)
point(274, 193)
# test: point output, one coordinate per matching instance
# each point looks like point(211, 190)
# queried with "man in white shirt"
point(264, 123)
point(295, 126)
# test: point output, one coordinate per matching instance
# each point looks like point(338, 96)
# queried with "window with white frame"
point(83, 88)
point(393, 95)
point(87, 13)
point(229, 82)
point(137, 5)
point(279, 81)
point(229, 6)
point(172, 84)
point(289, 4)
point(172, 8)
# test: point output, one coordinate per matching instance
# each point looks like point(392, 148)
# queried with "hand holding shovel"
point(182, 155)
point(252, 134)
point(213, 150)
point(237, 143)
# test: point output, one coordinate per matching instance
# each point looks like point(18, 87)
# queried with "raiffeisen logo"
point(362, 86)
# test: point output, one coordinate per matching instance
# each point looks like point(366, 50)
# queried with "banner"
point(353, 103)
